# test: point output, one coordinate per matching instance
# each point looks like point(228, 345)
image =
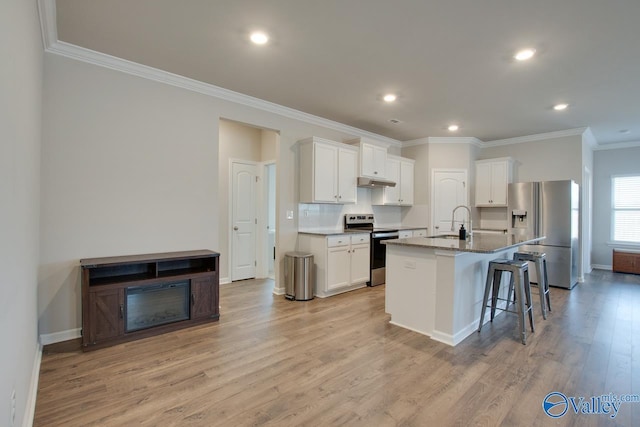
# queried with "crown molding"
point(617, 145)
point(52, 45)
point(455, 140)
point(536, 137)
point(48, 25)
point(589, 138)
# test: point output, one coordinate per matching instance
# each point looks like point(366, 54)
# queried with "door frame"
point(258, 190)
point(433, 191)
point(262, 234)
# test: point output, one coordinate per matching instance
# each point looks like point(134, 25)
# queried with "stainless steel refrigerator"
point(551, 209)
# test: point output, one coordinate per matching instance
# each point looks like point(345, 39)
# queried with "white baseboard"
point(601, 267)
point(225, 280)
point(30, 409)
point(46, 339)
point(278, 291)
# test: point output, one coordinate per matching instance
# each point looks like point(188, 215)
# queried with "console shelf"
point(135, 296)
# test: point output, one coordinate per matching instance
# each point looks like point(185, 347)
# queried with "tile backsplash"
point(327, 216)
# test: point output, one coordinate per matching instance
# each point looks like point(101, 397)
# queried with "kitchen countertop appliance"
point(365, 222)
point(549, 209)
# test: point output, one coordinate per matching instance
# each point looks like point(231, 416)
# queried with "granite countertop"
point(336, 232)
point(328, 232)
point(480, 243)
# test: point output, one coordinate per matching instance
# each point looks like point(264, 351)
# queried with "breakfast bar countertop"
point(480, 243)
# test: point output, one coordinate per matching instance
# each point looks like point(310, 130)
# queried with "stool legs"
point(487, 289)
point(540, 260)
point(547, 293)
point(542, 289)
point(518, 282)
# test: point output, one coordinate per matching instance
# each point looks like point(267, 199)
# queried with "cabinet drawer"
point(341, 240)
point(420, 233)
point(404, 234)
point(359, 238)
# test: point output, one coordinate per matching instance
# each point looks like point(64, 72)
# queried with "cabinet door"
point(483, 183)
point(106, 314)
point(347, 176)
point(325, 173)
point(392, 194)
point(360, 269)
point(204, 297)
point(406, 183)
point(373, 160)
point(338, 267)
point(499, 183)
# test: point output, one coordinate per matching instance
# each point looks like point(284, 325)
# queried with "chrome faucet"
point(453, 217)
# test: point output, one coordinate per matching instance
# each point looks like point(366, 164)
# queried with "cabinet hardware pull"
point(193, 299)
point(122, 311)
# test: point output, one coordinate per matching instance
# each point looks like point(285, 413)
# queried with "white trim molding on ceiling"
point(48, 24)
point(537, 137)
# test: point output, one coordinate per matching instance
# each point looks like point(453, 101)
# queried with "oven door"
point(379, 256)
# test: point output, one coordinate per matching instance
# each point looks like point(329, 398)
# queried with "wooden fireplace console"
point(109, 286)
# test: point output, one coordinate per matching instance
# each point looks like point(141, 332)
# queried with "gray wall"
point(20, 125)
point(548, 160)
point(131, 166)
point(605, 164)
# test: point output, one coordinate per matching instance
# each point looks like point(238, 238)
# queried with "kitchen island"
point(435, 285)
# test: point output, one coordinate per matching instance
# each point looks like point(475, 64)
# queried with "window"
point(625, 193)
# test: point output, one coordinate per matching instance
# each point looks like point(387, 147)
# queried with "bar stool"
point(520, 281)
point(540, 260)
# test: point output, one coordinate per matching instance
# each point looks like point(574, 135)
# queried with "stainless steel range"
point(365, 222)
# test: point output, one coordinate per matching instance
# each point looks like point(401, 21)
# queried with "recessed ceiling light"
point(560, 107)
point(453, 128)
point(389, 97)
point(259, 37)
point(524, 54)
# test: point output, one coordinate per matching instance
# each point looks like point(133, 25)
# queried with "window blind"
point(626, 209)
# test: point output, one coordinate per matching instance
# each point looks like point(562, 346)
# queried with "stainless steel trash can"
point(299, 280)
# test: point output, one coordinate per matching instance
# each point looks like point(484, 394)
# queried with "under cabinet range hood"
point(374, 182)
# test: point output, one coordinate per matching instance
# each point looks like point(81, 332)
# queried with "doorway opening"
point(247, 183)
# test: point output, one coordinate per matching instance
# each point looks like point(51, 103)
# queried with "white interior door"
point(243, 221)
point(449, 190)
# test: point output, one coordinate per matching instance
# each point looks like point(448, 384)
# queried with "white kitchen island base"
point(438, 292)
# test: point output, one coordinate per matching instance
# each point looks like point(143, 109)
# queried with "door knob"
point(235, 228)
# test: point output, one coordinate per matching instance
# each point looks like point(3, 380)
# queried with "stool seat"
point(540, 261)
point(519, 280)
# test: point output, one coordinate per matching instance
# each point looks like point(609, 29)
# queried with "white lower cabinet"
point(418, 232)
point(422, 232)
point(341, 261)
point(405, 234)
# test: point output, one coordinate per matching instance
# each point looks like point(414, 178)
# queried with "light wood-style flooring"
point(337, 361)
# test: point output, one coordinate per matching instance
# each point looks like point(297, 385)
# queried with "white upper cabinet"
point(492, 179)
point(399, 170)
point(373, 161)
point(373, 158)
point(327, 171)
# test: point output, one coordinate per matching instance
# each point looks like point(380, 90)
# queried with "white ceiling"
point(448, 61)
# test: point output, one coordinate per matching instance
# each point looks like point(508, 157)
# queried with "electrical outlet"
point(13, 408)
